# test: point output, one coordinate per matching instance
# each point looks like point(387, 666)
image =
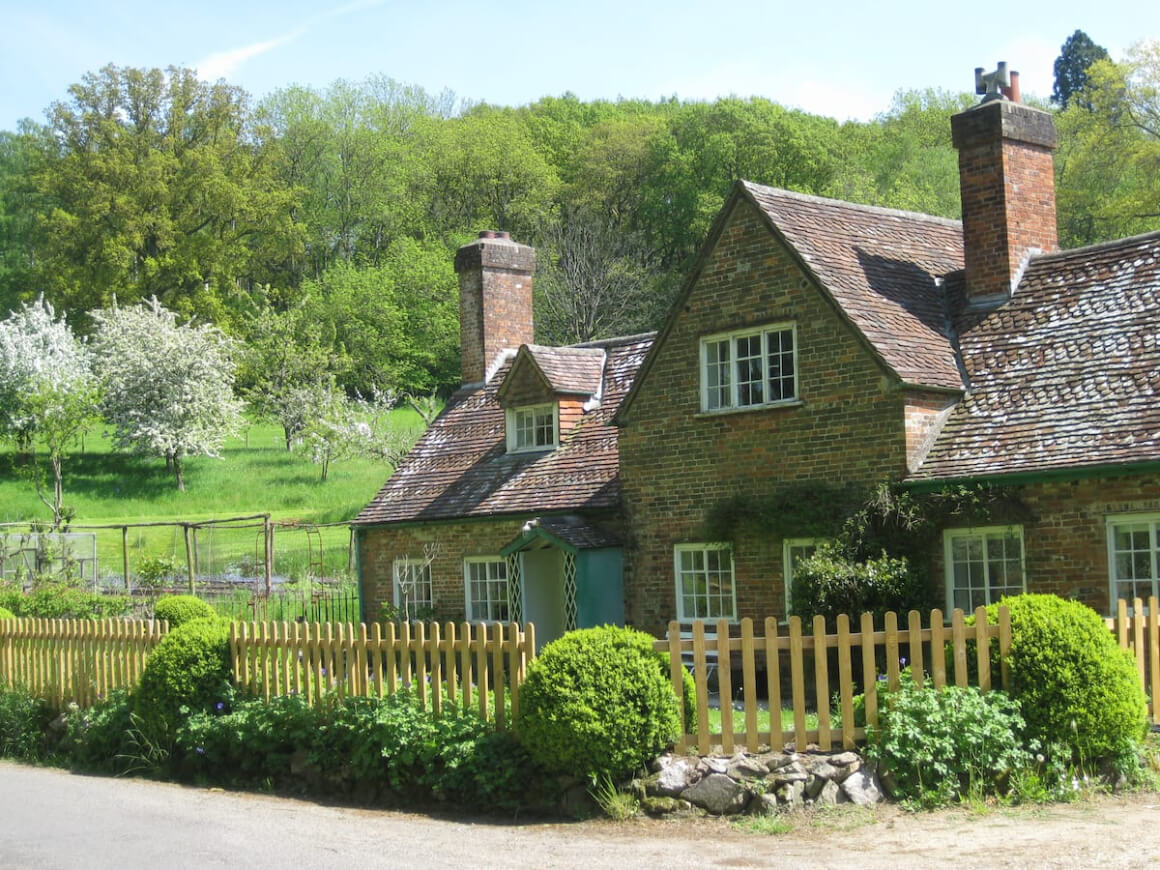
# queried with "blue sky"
point(843, 59)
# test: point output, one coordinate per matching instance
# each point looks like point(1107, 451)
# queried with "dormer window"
point(532, 427)
point(749, 368)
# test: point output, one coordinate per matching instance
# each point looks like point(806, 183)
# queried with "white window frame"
point(986, 534)
point(787, 548)
point(1150, 522)
point(412, 566)
point(736, 398)
point(490, 583)
point(514, 418)
point(682, 572)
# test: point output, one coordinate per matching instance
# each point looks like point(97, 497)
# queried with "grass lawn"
point(762, 720)
point(255, 475)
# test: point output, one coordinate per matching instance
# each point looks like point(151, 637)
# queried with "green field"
point(256, 475)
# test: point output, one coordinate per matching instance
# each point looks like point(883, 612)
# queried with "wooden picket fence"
point(1138, 631)
point(75, 660)
point(786, 655)
point(469, 665)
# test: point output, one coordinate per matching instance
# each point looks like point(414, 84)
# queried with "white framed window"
point(704, 575)
point(532, 427)
point(793, 550)
point(413, 594)
point(749, 368)
point(485, 582)
point(1133, 557)
point(983, 565)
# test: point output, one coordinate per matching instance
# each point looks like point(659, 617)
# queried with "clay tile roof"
point(1066, 374)
point(570, 369)
point(460, 467)
point(879, 266)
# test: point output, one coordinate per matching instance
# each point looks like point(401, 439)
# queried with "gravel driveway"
point(53, 819)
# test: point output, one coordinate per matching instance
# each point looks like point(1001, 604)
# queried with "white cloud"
point(223, 64)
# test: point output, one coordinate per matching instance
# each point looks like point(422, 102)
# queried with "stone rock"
point(862, 788)
point(830, 794)
point(774, 760)
point(713, 764)
point(791, 793)
point(814, 786)
point(763, 805)
point(746, 767)
point(822, 768)
point(717, 794)
point(665, 806)
point(673, 779)
point(845, 759)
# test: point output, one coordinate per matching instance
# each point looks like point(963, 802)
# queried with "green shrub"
point(1076, 686)
point(827, 583)
point(97, 739)
point(61, 601)
point(190, 668)
point(23, 722)
point(5, 613)
point(940, 744)
point(247, 741)
point(596, 703)
point(180, 609)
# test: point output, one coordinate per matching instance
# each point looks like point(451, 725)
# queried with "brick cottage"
point(815, 341)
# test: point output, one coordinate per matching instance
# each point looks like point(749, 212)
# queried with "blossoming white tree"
point(48, 394)
point(168, 388)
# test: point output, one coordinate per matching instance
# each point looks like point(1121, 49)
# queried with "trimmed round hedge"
point(180, 609)
point(5, 613)
point(1075, 686)
point(190, 668)
point(598, 702)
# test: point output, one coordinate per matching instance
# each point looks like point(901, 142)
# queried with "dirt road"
point(51, 819)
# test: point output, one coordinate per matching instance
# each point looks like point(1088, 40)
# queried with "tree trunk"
point(180, 473)
point(57, 490)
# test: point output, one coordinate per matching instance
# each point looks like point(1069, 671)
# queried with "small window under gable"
point(749, 368)
point(532, 427)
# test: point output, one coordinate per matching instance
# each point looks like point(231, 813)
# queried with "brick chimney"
point(1007, 180)
point(495, 300)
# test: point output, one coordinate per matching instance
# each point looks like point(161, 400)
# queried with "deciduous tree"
point(168, 387)
point(47, 390)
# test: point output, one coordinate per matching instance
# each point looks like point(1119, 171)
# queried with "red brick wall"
point(676, 463)
point(1008, 191)
point(1065, 541)
point(922, 410)
point(380, 546)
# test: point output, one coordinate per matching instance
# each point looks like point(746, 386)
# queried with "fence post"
point(269, 535)
point(188, 557)
point(125, 556)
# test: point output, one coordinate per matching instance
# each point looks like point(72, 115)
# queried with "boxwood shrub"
point(190, 668)
point(180, 609)
point(1076, 687)
point(5, 613)
point(597, 702)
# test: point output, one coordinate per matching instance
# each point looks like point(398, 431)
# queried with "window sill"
point(749, 409)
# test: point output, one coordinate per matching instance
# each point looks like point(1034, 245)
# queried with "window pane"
point(717, 375)
point(781, 370)
point(749, 370)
